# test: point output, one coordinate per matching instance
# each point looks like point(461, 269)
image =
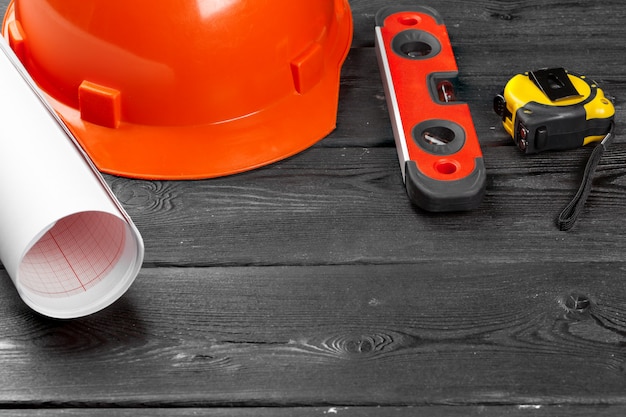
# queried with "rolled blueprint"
point(65, 240)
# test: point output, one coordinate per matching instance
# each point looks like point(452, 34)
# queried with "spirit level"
point(438, 149)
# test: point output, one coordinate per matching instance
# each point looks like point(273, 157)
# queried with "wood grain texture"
point(388, 335)
point(523, 410)
point(329, 206)
point(313, 287)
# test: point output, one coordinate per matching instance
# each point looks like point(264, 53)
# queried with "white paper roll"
point(65, 240)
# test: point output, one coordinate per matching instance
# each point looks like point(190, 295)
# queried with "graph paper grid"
point(74, 255)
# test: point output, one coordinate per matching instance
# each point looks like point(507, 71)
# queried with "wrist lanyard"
point(570, 213)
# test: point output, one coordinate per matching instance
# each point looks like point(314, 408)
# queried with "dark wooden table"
point(313, 287)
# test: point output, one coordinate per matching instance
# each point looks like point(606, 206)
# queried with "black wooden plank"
point(506, 27)
point(525, 410)
point(340, 206)
point(400, 335)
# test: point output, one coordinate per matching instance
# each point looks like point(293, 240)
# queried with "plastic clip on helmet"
point(184, 89)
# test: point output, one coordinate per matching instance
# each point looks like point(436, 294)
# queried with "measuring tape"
point(438, 150)
point(553, 109)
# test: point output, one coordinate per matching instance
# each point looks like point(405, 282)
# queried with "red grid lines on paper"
point(74, 255)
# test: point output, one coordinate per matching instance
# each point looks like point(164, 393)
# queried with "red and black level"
point(438, 149)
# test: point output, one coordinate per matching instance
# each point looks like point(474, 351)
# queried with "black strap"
point(570, 213)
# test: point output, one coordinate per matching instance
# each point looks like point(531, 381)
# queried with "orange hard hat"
point(186, 89)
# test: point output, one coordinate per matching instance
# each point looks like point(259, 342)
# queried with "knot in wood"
point(360, 346)
point(578, 303)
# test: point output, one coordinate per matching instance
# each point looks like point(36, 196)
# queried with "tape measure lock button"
point(541, 137)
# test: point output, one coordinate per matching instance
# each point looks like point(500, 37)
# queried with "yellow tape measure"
point(553, 109)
